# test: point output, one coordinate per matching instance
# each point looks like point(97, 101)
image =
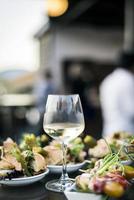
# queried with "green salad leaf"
point(76, 149)
point(24, 160)
point(29, 141)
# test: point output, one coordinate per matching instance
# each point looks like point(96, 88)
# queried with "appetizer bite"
point(129, 147)
point(108, 176)
point(75, 152)
point(52, 150)
point(15, 162)
point(115, 141)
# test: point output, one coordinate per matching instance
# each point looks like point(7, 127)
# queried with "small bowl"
point(72, 194)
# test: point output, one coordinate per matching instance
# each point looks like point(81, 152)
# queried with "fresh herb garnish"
point(112, 159)
point(24, 160)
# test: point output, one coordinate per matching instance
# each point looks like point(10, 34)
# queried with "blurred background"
point(58, 46)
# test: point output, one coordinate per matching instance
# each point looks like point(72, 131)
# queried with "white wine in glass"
point(64, 131)
point(63, 121)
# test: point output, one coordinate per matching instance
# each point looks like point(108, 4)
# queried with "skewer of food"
point(108, 176)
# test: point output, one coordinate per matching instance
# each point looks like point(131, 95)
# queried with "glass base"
point(57, 186)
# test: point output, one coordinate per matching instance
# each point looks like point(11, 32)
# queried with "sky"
point(19, 21)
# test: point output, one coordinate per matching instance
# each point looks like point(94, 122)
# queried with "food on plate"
point(115, 142)
point(114, 189)
point(100, 150)
point(8, 145)
point(39, 163)
point(90, 141)
point(52, 151)
point(108, 176)
point(130, 140)
point(39, 150)
point(75, 152)
point(129, 147)
point(15, 162)
point(54, 155)
point(29, 140)
point(129, 172)
point(34, 153)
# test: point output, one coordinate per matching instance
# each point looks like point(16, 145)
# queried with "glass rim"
point(64, 95)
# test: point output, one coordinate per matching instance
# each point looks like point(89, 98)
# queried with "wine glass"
point(63, 121)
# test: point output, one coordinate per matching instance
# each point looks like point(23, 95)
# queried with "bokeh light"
point(56, 8)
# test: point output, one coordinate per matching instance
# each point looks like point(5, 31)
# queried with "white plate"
point(82, 196)
point(70, 167)
point(24, 180)
point(126, 162)
point(72, 194)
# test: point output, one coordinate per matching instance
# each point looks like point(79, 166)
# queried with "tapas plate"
point(70, 168)
point(24, 180)
point(72, 194)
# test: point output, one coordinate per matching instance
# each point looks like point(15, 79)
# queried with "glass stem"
point(64, 177)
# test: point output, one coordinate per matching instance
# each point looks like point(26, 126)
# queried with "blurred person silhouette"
point(117, 97)
point(43, 87)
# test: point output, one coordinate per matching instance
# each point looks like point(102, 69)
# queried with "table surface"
point(37, 191)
